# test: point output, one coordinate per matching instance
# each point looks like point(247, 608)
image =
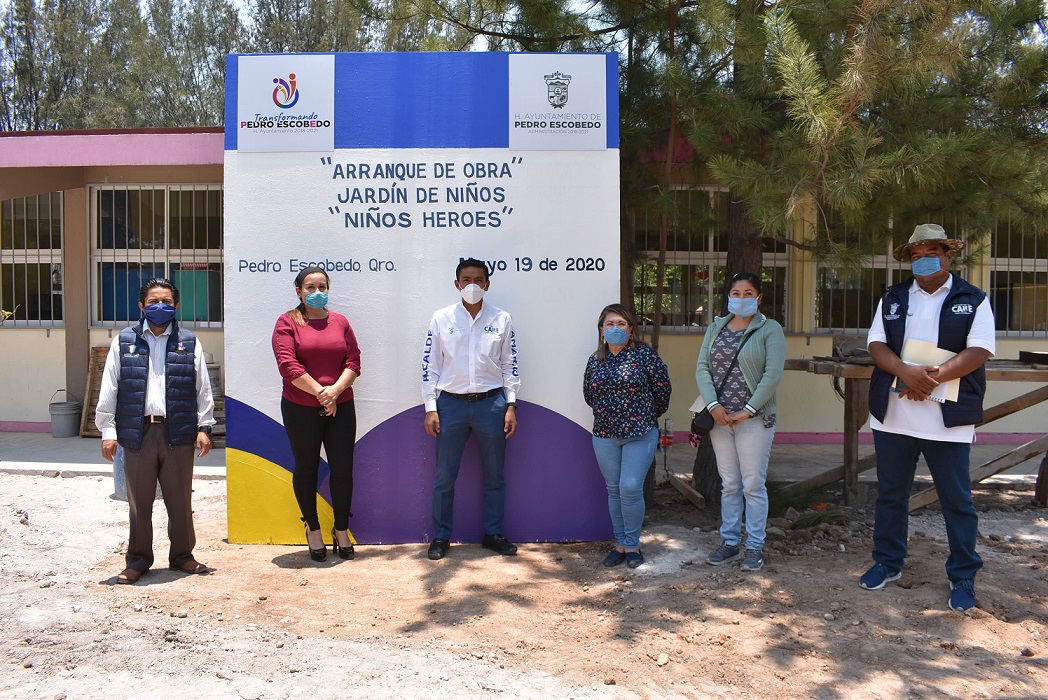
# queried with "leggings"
point(306, 431)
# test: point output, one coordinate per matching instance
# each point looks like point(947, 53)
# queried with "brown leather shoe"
point(129, 576)
point(191, 567)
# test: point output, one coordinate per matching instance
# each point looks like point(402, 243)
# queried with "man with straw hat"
point(929, 330)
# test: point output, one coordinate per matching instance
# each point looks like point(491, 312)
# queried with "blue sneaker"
point(877, 576)
point(724, 554)
point(962, 595)
point(614, 558)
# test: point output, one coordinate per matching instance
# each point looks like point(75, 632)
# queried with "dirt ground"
point(551, 622)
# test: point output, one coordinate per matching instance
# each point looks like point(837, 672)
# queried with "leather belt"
point(155, 419)
point(474, 397)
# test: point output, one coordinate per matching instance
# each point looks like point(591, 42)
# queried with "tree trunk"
point(745, 248)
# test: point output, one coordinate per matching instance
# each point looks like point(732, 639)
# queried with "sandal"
point(129, 576)
point(191, 567)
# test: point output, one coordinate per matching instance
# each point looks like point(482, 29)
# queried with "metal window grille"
point(696, 256)
point(1019, 280)
point(146, 231)
point(31, 274)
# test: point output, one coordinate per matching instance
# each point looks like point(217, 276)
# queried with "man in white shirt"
point(469, 385)
point(908, 420)
point(155, 401)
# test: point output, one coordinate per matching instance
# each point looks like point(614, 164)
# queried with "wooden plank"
point(830, 476)
point(995, 466)
point(1015, 405)
point(96, 366)
point(856, 410)
point(683, 484)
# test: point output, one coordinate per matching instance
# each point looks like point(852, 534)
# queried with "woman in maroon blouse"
point(319, 359)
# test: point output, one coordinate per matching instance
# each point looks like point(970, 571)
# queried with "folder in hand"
point(921, 352)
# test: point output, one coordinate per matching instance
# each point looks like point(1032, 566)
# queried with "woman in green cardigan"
point(744, 412)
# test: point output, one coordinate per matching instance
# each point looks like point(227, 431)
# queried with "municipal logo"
point(557, 89)
point(285, 94)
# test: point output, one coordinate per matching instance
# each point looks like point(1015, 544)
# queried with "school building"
point(85, 217)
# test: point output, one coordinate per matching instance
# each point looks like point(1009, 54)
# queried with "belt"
point(473, 397)
point(155, 419)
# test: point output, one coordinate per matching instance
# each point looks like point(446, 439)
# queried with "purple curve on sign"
point(554, 490)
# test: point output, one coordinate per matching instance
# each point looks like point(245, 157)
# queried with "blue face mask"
point(615, 336)
point(743, 307)
point(316, 300)
point(925, 266)
point(159, 314)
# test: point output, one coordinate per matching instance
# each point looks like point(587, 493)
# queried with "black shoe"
point(498, 543)
point(336, 548)
point(614, 558)
point(438, 549)
point(315, 554)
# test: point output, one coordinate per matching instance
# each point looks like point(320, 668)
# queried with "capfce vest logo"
point(285, 94)
point(962, 309)
point(557, 89)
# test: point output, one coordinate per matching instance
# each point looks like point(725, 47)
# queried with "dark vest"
point(955, 321)
point(180, 400)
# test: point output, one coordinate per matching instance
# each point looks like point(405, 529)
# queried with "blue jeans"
point(624, 464)
point(742, 461)
point(487, 420)
point(948, 463)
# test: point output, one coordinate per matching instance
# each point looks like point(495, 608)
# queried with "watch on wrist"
point(511, 403)
point(206, 429)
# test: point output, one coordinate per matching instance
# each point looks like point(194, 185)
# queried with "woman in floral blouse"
point(627, 386)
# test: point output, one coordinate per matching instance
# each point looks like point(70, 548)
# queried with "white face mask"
point(472, 293)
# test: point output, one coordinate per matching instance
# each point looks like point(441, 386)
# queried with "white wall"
point(33, 368)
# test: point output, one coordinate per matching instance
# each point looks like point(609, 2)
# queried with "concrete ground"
point(75, 456)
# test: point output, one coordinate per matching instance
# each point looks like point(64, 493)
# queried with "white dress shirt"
point(466, 355)
point(923, 419)
point(156, 383)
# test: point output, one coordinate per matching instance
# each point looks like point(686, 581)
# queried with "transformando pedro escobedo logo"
point(557, 122)
point(285, 96)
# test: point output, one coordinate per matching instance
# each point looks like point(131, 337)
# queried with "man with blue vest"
point(155, 401)
point(937, 310)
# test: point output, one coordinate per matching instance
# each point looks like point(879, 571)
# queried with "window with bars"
point(696, 257)
point(157, 231)
point(31, 261)
point(1015, 259)
point(1019, 280)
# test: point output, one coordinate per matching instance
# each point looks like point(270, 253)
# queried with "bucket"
point(120, 477)
point(65, 416)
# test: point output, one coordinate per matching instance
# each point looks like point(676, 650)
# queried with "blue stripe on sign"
point(231, 102)
point(464, 99)
point(612, 90)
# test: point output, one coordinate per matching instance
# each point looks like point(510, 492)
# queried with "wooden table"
point(856, 375)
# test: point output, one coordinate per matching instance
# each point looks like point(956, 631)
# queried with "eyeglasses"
point(616, 324)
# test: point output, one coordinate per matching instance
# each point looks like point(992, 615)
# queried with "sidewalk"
point(39, 453)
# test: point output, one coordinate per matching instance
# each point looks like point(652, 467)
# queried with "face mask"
point(925, 266)
point(159, 314)
point(316, 300)
point(742, 307)
point(472, 293)
point(615, 336)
